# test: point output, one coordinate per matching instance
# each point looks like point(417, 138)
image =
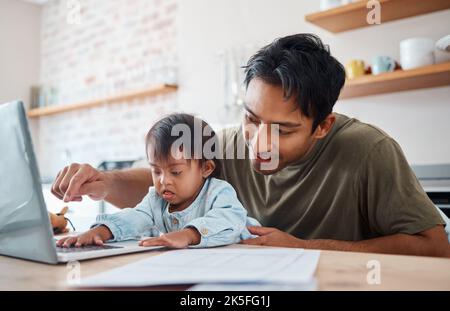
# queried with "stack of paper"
point(282, 266)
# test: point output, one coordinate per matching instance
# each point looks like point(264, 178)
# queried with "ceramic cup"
point(355, 68)
point(382, 64)
point(329, 4)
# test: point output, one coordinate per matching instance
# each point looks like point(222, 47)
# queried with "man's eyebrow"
point(280, 123)
point(251, 112)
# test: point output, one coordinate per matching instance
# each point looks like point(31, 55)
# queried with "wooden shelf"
point(353, 15)
point(400, 80)
point(128, 96)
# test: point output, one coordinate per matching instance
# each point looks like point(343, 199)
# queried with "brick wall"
point(118, 46)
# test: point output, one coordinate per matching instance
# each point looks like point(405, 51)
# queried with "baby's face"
point(178, 181)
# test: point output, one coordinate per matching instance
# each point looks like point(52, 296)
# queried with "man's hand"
point(176, 239)
point(431, 242)
point(94, 236)
point(76, 180)
point(272, 237)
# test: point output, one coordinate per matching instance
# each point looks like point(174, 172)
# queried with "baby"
point(187, 203)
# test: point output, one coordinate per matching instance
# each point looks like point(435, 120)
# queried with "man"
point(339, 184)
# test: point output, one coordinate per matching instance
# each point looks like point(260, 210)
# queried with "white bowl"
point(417, 43)
point(415, 61)
point(416, 52)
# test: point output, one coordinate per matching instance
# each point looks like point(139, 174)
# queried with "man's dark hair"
point(161, 138)
point(303, 66)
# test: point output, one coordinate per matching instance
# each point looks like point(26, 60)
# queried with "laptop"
point(25, 230)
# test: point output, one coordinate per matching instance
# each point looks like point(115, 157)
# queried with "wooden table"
point(335, 271)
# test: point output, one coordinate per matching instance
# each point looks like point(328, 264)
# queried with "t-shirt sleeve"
point(390, 196)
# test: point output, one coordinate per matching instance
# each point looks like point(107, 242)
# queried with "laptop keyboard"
point(84, 248)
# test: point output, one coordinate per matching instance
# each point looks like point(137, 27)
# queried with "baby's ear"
point(208, 168)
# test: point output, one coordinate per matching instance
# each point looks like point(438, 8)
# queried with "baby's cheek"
point(157, 186)
point(184, 191)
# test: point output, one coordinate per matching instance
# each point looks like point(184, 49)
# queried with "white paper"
point(255, 287)
point(214, 265)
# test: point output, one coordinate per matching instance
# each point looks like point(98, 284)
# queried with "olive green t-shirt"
point(354, 184)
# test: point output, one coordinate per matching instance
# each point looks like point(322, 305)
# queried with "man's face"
point(265, 110)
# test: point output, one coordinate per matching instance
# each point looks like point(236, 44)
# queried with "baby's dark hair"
point(178, 127)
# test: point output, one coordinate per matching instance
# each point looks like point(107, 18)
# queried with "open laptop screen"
point(25, 230)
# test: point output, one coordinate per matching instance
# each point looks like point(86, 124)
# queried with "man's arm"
point(128, 187)
point(124, 188)
point(431, 242)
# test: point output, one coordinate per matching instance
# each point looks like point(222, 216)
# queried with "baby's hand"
point(177, 239)
point(94, 236)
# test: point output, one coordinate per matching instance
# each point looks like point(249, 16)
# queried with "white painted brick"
point(119, 45)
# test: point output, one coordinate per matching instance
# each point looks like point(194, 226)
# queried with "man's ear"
point(208, 168)
point(325, 126)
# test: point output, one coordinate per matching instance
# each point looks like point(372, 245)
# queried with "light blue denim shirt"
point(216, 213)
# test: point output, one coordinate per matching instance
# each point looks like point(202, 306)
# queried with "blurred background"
point(95, 74)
